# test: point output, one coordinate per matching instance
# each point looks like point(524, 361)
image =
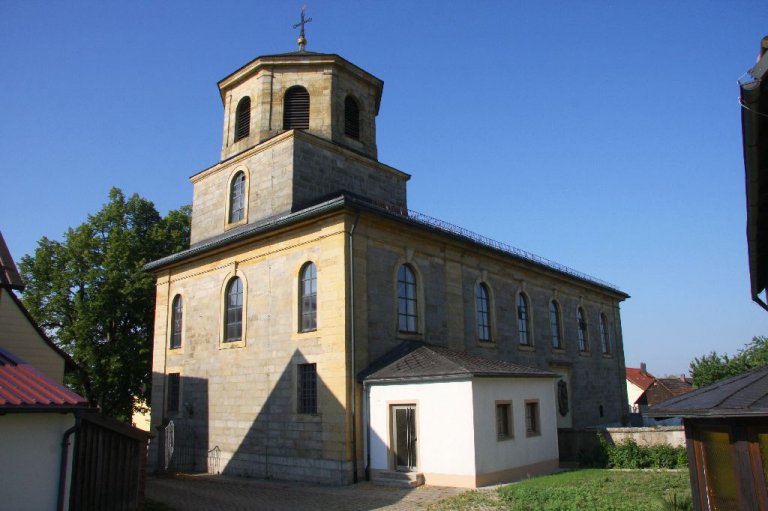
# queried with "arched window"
point(243, 118)
point(176, 321)
point(605, 342)
point(483, 308)
point(582, 324)
point(407, 312)
point(351, 118)
point(523, 320)
point(296, 108)
point(554, 325)
point(237, 198)
point(308, 298)
point(233, 315)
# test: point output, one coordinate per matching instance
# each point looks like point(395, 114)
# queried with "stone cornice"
point(304, 137)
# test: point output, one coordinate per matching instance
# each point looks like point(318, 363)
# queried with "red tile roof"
point(24, 388)
point(639, 378)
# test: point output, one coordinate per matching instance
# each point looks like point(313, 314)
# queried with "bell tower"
point(298, 128)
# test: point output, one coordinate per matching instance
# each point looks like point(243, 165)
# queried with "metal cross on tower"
point(302, 40)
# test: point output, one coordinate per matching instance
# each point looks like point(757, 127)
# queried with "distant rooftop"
point(741, 396)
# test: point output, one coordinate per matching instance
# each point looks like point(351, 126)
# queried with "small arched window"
point(554, 325)
point(237, 198)
point(233, 314)
point(296, 108)
point(351, 118)
point(177, 309)
point(582, 324)
point(407, 311)
point(308, 298)
point(523, 320)
point(243, 118)
point(605, 341)
point(483, 308)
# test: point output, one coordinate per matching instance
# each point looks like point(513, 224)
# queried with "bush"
point(628, 454)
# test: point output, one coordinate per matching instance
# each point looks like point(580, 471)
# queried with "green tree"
point(713, 367)
point(90, 295)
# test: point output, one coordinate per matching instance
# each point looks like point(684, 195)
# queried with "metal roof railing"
point(455, 230)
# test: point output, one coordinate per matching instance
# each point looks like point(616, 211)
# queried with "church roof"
point(740, 396)
point(413, 360)
point(343, 199)
point(24, 388)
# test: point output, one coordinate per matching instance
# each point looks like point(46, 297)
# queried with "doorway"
point(404, 437)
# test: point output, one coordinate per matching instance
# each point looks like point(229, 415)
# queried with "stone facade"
point(285, 174)
point(241, 398)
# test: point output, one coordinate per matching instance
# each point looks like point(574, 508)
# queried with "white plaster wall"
point(30, 457)
point(633, 393)
point(493, 455)
point(444, 425)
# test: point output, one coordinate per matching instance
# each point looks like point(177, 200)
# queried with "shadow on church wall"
point(278, 443)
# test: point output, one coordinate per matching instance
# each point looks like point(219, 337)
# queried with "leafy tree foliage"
point(90, 295)
point(713, 367)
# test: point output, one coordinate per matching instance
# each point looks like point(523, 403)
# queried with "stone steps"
point(398, 479)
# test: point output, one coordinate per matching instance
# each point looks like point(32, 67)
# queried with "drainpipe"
point(367, 429)
point(64, 460)
point(352, 344)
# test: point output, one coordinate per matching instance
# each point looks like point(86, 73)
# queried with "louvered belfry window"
point(296, 108)
point(243, 118)
point(351, 118)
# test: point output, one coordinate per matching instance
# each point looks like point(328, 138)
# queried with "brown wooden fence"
point(109, 465)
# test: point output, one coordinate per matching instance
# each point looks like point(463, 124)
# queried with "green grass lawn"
point(582, 490)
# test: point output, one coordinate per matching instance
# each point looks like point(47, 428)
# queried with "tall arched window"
point(483, 307)
point(237, 198)
point(605, 341)
point(351, 118)
point(177, 308)
point(582, 324)
point(233, 319)
point(407, 311)
point(554, 325)
point(296, 108)
point(243, 118)
point(308, 298)
point(523, 320)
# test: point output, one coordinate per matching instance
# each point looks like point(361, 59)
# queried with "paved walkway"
point(220, 493)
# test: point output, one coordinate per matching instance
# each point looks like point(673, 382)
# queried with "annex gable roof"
point(412, 360)
point(740, 396)
point(25, 389)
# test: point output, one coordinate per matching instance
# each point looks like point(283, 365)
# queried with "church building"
point(317, 329)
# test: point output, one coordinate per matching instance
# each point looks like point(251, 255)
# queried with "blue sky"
point(603, 135)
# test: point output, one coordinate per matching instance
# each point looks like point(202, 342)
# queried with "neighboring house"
point(19, 333)
point(644, 389)
point(306, 268)
point(56, 452)
point(726, 430)
point(37, 416)
point(754, 122)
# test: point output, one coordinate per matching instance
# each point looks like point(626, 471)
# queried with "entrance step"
point(398, 479)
